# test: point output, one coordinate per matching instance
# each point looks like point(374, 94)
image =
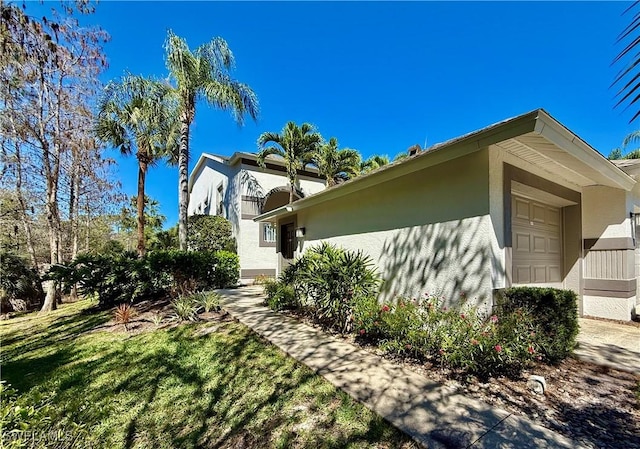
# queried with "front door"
point(288, 240)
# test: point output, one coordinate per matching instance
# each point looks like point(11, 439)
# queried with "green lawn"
point(172, 388)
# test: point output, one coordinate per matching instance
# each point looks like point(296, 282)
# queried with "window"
point(268, 234)
point(220, 201)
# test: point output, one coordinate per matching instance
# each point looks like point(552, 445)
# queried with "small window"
point(220, 201)
point(268, 234)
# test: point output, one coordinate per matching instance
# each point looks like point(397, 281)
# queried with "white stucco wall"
point(429, 231)
point(205, 184)
point(613, 308)
point(252, 255)
point(605, 213)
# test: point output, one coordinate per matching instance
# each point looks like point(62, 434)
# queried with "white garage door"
point(537, 242)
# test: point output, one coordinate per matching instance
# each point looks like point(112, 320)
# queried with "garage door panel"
point(554, 273)
point(522, 241)
point(521, 209)
point(538, 213)
point(522, 274)
point(537, 243)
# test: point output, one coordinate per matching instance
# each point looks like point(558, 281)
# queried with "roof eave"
point(558, 134)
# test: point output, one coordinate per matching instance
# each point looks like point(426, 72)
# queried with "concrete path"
point(430, 413)
point(609, 344)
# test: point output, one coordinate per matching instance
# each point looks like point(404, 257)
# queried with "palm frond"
point(628, 77)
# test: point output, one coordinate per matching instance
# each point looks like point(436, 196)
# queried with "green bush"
point(226, 269)
point(280, 296)
point(210, 233)
point(333, 279)
point(555, 313)
point(460, 338)
point(20, 285)
point(126, 278)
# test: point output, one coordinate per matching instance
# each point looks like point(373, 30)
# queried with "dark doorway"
point(288, 240)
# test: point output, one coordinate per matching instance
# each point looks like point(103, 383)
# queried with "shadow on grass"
point(170, 388)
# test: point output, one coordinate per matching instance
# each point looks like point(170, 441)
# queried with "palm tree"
point(629, 77)
point(373, 163)
point(337, 165)
point(137, 115)
point(297, 145)
point(202, 74)
point(630, 139)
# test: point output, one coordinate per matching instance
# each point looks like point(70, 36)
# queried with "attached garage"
point(537, 242)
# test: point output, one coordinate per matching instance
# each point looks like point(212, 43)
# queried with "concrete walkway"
point(609, 344)
point(430, 413)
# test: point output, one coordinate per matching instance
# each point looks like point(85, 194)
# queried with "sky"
point(379, 76)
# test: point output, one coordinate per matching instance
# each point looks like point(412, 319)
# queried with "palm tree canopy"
point(374, 162)
point(337, 165)
point(622, 153)
point(204, 74)
point(297, 145)
point(137, 114)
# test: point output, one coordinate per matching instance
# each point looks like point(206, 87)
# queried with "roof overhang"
point(538, 135)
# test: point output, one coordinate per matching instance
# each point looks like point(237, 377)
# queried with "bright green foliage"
point(127, 278)
point(296, 145)
point(328, 280)
point(337, 165)
point(20, 285)
point(374, 163)
point(210, 233)
point(555, 312)
point(175, 388)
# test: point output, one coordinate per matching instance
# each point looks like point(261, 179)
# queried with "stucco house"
point(238, 189)
point(521, 202)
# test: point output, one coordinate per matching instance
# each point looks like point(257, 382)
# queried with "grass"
point(172, 388)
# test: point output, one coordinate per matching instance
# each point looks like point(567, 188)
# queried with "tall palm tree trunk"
point(183, 188)
point(142, 173)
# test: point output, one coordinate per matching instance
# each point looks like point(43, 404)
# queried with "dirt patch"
point(598, 407)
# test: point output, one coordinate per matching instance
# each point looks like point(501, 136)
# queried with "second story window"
point(220, 201)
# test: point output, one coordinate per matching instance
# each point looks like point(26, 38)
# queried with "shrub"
point(333, 279)
point(20, 285)
point(555, 313)
point(226, 269)
point(280, 296)
point(210, 233)
point(126, 278)
point(459, 338)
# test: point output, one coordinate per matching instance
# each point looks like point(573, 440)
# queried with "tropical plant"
point(137, 114)
point(334, 279)
point(337, 165)
point(202, 74)
point(208, 301)
point(622, 152)
point(628, 78)
point(186, 308)
point(373, 163)
point(296, 145)
point(123, 314)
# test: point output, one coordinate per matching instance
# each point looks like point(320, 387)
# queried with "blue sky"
point(380, 76)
